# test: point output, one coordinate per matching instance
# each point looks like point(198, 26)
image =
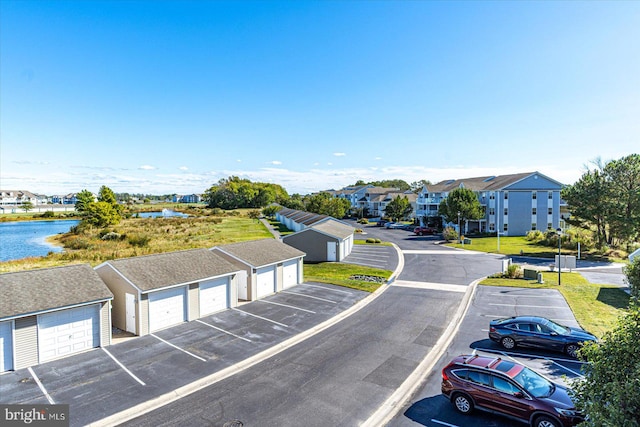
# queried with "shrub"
point(139, 240)
point(535, 236)
point(449, 234)
point(514, 271)
point(363, 221)
point(112, 235)
point(48, 214)
point(370, 240)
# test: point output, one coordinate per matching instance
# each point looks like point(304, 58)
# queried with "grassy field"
point(518, 245)
point(596, 307)
point(340, 274)
point(141, 236)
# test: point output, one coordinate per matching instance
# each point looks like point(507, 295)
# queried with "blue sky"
point(164, 97)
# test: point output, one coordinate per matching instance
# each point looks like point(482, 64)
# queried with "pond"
point(22, 239)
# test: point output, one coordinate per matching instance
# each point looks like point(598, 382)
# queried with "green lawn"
point(339, 274)
point(596, 307)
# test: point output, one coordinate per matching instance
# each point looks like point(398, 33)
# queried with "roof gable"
point(258, 253)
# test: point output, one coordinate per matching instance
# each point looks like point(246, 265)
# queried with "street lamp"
point(559, 231)
point(459, 230)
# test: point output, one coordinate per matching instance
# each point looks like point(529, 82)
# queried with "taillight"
point(445, 377)
point(492, 329)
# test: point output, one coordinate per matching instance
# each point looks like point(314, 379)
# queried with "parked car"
point(394, 225)
point(534, 331)
point(507, 388)
point(423, 231)
point(381, 222)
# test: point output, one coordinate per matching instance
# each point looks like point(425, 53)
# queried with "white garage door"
point(266, 281)
point(66, 332)
point(166, 308)
point(290, 274)
point(214, 296)
point(6, 346)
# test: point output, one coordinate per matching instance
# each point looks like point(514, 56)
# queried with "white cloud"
point(275, 162)
point(147, 167)
point(339, 154)
point(183, 168)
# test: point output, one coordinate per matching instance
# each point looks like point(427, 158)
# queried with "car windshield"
point(534, 383)
point(558, 329)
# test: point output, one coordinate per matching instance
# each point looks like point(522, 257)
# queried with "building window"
point(492, 227)
point(492, 196)
point(549, 226)
point(550, 211)
point(534, 195)
point(533, 225)
point(506, 211)
point(550, 195)
point(533, 211)
point(492, 211)
point(506, 195)
point(506, 227)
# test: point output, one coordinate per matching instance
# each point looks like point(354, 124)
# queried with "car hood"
point(560, 398)
point(581, 335)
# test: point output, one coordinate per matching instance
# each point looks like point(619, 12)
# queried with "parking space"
point(107, 380)
point(431, 408)
point(372, 255)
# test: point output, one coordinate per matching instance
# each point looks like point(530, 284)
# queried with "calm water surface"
point(23, 239)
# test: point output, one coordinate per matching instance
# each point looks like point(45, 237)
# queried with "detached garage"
point(269, 266)
point(157, 291)
point(326, 241)
point(52, 313)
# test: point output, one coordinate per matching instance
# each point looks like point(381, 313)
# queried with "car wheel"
point(572, 350)
point(462, 403)
point(544, 421)
point(508, 343)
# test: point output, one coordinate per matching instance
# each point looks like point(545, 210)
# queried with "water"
point(21, 239)
point(166, 213)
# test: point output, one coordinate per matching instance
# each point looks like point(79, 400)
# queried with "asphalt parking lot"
point(372, 255)
point(430, 408)
point(104, 381)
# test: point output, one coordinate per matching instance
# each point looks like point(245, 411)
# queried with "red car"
point(423, 231)
point(507, 388)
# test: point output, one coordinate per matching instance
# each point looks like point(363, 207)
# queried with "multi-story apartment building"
point(373, 200)
point(514, 204)
point(18, 197)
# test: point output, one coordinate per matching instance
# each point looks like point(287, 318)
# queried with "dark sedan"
point(533, 331)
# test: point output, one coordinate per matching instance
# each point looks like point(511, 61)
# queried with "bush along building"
point(513, 204)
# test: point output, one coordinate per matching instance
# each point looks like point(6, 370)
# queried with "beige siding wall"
point(26, 342)
point(119, 287)
point(251, 291)
point(193, 302)
point(279, 276)
point(143, 319)
point(233, 291)
point(105, 324)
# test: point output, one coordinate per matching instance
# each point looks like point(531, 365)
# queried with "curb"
point(403, 394)
point(166, 398)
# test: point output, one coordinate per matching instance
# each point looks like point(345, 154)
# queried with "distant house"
point(514, 204)
point(18, 197)
point(268, 266)
point(187, 198)
point(153, 292)
point(51, 313)
point(327, 240)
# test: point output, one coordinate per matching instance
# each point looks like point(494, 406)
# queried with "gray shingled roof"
point(258, 253)
point(334, 228)
point(34, 291)
point(157, 271)
point(481, 183)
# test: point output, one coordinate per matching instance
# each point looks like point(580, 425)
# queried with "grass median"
point(343, 275)
point(596, 307)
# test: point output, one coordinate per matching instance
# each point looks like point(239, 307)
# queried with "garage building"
point(326, 241)
point(268, 266)
point(154, 292)
point(51, 313)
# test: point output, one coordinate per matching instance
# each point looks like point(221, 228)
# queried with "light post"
point(459, 229)
point(559, 231)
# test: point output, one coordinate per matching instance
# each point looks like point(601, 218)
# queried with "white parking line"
point(531, 306)
point(308, 296)
point(288, 306)
point(430, 285)
point(123, 367)
point(178, 348)
point(260, 317)
point(440, 252)
point(222, 330)
point(327, 288)
point(44, 391)
point(547, 296)
point(503, 316)
point(566, 369)
point(443, 423)
point(533, 356)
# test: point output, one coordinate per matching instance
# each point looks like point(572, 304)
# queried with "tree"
point(26, 206)
point(632, 273)
point(83, 200)
point(271, 210)
point(463, 202)
point(234, 193)
point(107, 195)
point(101, 214)
point(608, 393)
point(398, 208)
point(417, 186)
point(325, 204)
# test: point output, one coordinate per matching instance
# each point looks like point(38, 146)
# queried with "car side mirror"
point(518, 394)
